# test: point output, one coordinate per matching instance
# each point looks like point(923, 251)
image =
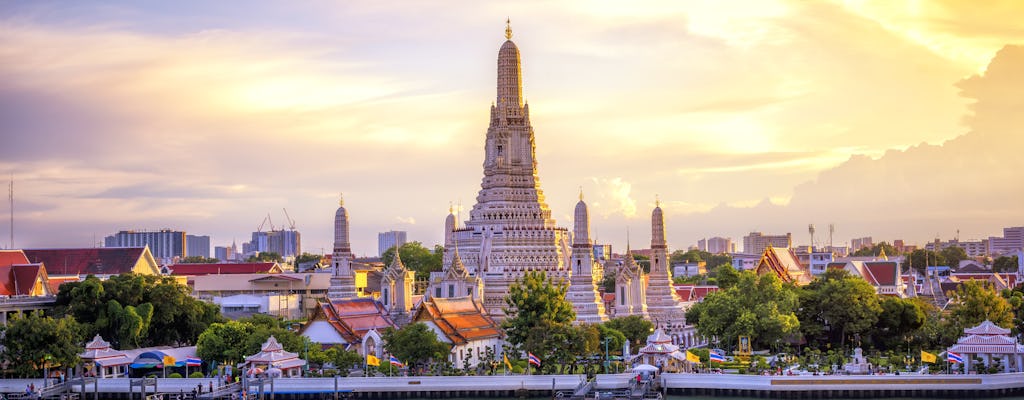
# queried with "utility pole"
point(10, 196)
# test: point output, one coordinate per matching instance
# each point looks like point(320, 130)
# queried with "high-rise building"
point(287, 243)
point(220, 253)
point(389, 239)
point(756, 242)
point(716, 245)
point(860, 243)
point(165, 244)
point(972, 248)
point(1011, 241)
point(197, 246)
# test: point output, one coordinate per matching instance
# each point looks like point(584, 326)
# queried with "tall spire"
point(581, 230)
point(657, 227)
point(510, 79)
point(508, 28)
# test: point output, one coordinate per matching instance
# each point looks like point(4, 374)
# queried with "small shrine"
point(992, 344)
point(101, 361)
point(274, 361)
point(660, 352)
point(859, 365)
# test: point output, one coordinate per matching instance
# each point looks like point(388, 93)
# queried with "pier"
point(609, 386)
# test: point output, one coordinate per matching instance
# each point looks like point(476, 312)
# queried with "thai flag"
point(533, 359)
point(394, 361)
point(715, 357)
point(954, 358)
point(193, 362)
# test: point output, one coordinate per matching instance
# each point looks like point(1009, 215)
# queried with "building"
point(99, 261)
point(586, 272)
point(860, 243)
point(221, 253)
point(222, 268)
point(510, 230)
point(744, 261)
point(274, 361)
point(389, 239)
point(18, 277)
point(756, 242)
point(101, 361)
point(197, 246)
point(165, 244)
point(716, 245)
point(784, 263)
point(1011, 241)
point(993, 344)
point(602, 252)
point(972, 248)
point(396, 291)
point(283, 293)
point(885, 276)
point(815, 258)
point(355, 323)
point(287, 243)
point(463, 323)
point(343, 277)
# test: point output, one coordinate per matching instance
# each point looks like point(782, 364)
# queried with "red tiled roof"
point(460, 318)
point(20, 280)
point(12, 257)
point(55, 282)
point(881, 273)
point(88, 261)
point(224, 268)
point(784, 263)
point(694, 292)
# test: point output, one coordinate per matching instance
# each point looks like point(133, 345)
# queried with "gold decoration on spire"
point(657, 201)
point(581, 193)
point(451, 208)
point(882, 255)
point(341, 199)
point(508, 29)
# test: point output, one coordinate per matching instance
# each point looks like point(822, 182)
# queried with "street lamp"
point(46, 370)
point(606, 361)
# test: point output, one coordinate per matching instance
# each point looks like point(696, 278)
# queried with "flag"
point(507, 364)
point(927, 357)
point(692, 357)
point(953, 357)
point(169, 361)
point(394, 361)
point(715, 357)
point(533, 359)
point(193, 362)
point(372, 360)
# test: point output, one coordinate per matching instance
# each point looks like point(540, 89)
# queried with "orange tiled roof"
point(225, 268)
point(784, 264)
point(460, 319)
point(353, 318)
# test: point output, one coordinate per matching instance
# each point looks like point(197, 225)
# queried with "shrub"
point(174, 375)
point(196, 374)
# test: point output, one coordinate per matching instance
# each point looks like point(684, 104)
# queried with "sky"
point(887, 119)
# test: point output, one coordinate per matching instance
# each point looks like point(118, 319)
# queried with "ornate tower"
point(510, 230)
point(663, 303)
point(343, 281)
point(583, 286)
point(396, 290)
point(630, 298)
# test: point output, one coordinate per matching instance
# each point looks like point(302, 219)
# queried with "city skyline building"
point(717, 245)
point(756, 242)
point(1011, 241)
point(389, 239)
point(164, 244)
point(196, 245)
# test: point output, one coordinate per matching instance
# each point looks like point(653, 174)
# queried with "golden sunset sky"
point(739, 116)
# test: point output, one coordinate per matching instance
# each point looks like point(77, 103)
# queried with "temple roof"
point(461, 319)
point(94, 261)
point(273, 353)
point(987, 328)
point(784, 264)
point(659, 336)
point(353, 318)
point(225, 268)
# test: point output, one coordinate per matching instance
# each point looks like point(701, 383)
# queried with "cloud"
point(406, 220)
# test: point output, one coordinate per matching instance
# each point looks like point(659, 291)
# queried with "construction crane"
point(291, 222)
point(260, 228)
point(271, 221)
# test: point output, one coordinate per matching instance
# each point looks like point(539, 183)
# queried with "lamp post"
point(606, 361)
point(46, 370)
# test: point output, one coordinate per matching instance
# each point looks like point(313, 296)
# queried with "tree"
point(836, 305)
point(306, 258)
point(417, 258)
point(414, 344)
point(634, 327)
point(954, 255)
point(199, 260)
point(225, 342)
point(1005, 264)
point(535, 301)
point(32, 341)
point(265, 256)
point(131, 310)
point(899, 319)
point(761, 307)
point(977, 301)
point(1015, 297)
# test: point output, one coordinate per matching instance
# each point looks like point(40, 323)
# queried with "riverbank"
point(517, 386)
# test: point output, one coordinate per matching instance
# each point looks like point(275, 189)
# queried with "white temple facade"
point(396, 290)
point(343, 280)
point(630, 293)
point(510, 230)
point(586, 273)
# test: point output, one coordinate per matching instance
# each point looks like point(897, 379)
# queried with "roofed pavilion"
point(272, 355)
point(989, 341)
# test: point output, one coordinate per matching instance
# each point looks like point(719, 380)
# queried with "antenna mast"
point(10, 196)
point(810, 229)
point(831, 230)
